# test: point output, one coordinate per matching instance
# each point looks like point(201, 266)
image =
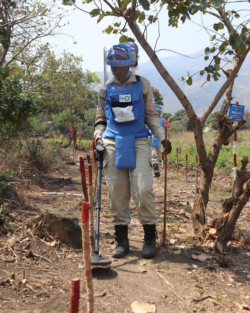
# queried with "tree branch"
point(229, 81)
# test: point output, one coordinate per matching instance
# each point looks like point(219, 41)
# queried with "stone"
point(60, 224)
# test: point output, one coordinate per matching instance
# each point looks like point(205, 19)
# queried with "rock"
point(60, 224)
point(9, 193)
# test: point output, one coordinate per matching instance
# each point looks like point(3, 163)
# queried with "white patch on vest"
point(124, 114)
point(153, 100)
point(124, 98)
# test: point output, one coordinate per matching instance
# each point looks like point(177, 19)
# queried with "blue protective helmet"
point(127, 50)
point(159, 107)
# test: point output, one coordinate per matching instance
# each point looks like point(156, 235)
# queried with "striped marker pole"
point(235, 160)
point(75, 295)
point(162, 160)
point(165, 184)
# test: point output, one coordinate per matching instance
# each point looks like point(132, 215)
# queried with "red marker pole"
point(177, 163)
point(88, 159)
point(235, 161)
point(91, 209)
point(75, 295)
point(83, 179)
point(165, 184)
point(86, 256)
point(186, 167)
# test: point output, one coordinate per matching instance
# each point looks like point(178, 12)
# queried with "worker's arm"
point(100, 120)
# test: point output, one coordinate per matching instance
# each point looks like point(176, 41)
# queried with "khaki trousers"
point(124, 183)
point(155, 154)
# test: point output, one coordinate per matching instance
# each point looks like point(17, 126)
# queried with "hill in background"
point(200, 97)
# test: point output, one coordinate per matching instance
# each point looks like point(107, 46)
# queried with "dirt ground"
point(39, 281)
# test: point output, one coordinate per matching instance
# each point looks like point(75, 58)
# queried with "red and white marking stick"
point(165, 184)
point(235, 161)
point(91, 209)
point(162, 160)
point(75, 295)
point(86, 256)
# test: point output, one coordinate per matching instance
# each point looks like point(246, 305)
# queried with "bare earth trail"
point(172, 280)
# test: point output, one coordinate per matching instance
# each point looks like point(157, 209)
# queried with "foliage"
point(180, 122)
point(211, 123)
point(158, 97)
point(16, 105)
point(166, 115)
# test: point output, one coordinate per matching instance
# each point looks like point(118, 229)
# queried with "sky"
point(90, 41)
point(84, 37)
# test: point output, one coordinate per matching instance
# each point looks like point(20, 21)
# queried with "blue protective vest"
point(155, 141)
point(125, 133)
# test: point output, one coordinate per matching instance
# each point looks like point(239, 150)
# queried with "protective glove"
point(166, 148)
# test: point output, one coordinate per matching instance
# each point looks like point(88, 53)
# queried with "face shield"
point(159, 110)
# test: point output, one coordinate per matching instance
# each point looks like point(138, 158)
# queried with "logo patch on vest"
point(124, 98)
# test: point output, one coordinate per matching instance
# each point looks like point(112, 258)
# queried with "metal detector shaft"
point(98, 202)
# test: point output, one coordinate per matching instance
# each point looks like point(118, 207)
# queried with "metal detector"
point(96, 258)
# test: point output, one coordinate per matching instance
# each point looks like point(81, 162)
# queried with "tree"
point(167, 116)
point(158, 97)
point(234, 42)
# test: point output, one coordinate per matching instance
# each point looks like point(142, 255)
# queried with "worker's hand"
point(167, 147)
point(99, 142)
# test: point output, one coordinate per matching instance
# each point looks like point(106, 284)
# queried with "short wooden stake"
point(83, 179)
point(86, 256)
point(75, 295)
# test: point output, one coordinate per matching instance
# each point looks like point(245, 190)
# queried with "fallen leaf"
point(195, 266)
point(13, 276)
point(219, 247)
point(143, 263)
point(200, 257)
point(211, 245)
point(11, 242)
point(212, 231)
point(246, 306)
point(10, 259)
point(172, 241)
point(69, 256)
point(182, 230)
point(52, 243)
point(227, 303)
point(138, 307)
point(177, 252)
point(164, 297)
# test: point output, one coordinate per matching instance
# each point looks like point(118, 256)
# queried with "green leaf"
point(236, 44)
point(142, 17)
point(218, 298)
point(109, 29)
point(212, 50)
point(244, 29)
point(100, 18)
point(216, 27)
point(242, 49)
point(223, 46)
point(203, 5)
point(207, 50)
point(213, 37)
point(137, 14)
point(115, 31)
point(201, 73)
point(117, 24)
point(68, 2)
point(206, 57)
point(94, 12)
point(220, 25)
point(215, 78)
point(189, 81)
point(217, 60)
point(124, 30)
point(86, 1)
point(236, 15)
point(218, 3)
point(124, 38)
point(229, 12)
point(246, 36)
point(124, 3)
point(145, 4)
point(208, 77)
point(150, 18)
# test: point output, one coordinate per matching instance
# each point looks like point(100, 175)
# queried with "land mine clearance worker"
point(125, 104)
point(156, 148)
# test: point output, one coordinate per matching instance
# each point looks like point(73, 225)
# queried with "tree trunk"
point(232, 207)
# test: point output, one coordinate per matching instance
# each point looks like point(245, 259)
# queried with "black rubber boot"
point(156, 170)
point(121, 236)
point(149, 245)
